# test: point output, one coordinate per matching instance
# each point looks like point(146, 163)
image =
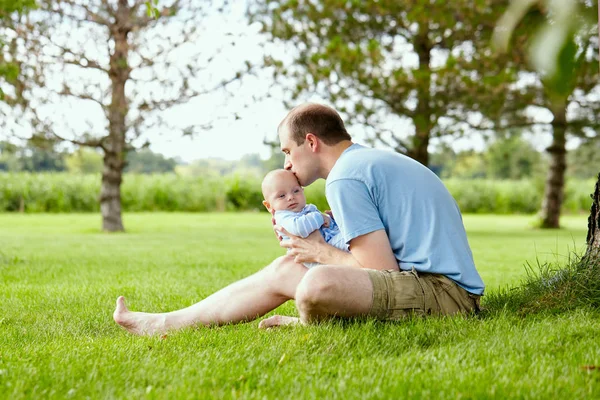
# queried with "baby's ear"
point(267, 205)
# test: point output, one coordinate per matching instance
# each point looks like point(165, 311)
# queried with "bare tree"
point(132, 65)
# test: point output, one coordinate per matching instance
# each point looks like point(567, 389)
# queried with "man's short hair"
point(322, 121)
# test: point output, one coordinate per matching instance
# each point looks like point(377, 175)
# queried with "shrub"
point(244, 194)
point(64, 192)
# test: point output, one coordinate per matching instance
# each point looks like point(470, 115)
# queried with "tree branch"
point(98, 143)
point(91, 16)
point(142, 20)
point(85, 96)
point(78, 59)
point(141, 124)
point(400, 147)
point(494, 126)
point(89, 64)
point(185, 95)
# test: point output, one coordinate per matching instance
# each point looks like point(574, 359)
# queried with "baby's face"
point(285, 193)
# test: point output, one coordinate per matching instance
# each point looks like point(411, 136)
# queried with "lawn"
point(59, 278)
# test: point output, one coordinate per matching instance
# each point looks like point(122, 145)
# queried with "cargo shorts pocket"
point(450, 298)
point(396, 294)
point(440, 283)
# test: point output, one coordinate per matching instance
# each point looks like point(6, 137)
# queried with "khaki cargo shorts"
point(399, 294)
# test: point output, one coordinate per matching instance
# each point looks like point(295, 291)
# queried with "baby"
point(284, 198)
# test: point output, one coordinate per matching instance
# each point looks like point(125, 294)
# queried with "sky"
point(240, 118)
point(250, 113)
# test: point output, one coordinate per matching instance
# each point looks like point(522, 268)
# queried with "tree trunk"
point(555, 180)
point(422, 118)
point(593, 235)
point(115, 148)
point(110, 195)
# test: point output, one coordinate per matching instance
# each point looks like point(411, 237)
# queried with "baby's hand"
point(327, 220)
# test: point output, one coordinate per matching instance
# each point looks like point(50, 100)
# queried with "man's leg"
point(243, 300)
point(326, 291)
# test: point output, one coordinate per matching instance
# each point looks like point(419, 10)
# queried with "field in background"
point(62, 192)
point(60, 277)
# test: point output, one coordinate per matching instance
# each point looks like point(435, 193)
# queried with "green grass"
point(59, 278)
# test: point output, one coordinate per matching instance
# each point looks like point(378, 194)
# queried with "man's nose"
point(287, 165)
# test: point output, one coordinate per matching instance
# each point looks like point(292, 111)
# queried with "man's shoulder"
point(367, 164)
point(346, 164)
point(361, 162)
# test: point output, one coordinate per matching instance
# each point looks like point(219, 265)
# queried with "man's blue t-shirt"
point(369, 189)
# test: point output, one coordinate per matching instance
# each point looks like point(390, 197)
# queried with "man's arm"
point(371, 251)
point(356, 206)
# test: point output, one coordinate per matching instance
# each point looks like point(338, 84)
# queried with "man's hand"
point(327, 220)
point(303, 250)
point(277, 235)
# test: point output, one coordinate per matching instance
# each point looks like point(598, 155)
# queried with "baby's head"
point(282, 191)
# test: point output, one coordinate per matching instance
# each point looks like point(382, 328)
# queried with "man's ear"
point(312, 141)
point(267, 205)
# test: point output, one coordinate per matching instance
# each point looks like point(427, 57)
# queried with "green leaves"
point(10, 71)
point(152, 9)
point(554, 40)
point(558, 44)
point(562, 76)
point(375, 59)
point(509, 21)
point(7, 7)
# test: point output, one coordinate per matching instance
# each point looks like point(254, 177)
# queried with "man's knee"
point(315, 289)
point(280, 269)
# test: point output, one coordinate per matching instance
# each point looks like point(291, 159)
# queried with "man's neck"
point(331, 155)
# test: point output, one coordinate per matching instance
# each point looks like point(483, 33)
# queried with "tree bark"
point(555, 180)
point(110, 195)
point(422, 118)
point(593, 235)
point(115, 148)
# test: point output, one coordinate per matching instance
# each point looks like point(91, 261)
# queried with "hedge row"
point(64, 192)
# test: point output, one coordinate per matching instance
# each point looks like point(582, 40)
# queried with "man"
point(408, 248)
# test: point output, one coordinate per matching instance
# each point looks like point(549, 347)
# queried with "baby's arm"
point(297, 224)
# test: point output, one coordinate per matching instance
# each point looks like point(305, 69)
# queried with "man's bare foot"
point(278, 320)
point(138, 323)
